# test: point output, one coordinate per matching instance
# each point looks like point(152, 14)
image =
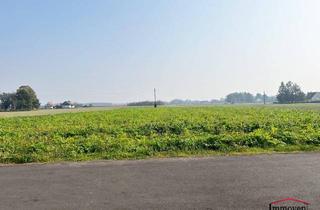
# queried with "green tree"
point(258, 97)
point(290, 93)
point(283, 94)
point(8, 101)
point(26, 99)
point(243, 97)
point(297, 94)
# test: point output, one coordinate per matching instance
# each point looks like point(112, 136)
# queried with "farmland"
point(52, 111)
point(166, 131)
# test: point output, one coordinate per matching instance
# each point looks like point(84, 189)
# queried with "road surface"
point(235, 182)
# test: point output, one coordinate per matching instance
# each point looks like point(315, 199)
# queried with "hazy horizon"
point(118, 51)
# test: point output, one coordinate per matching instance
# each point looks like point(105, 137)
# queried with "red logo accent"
point(275, 204)
point(290, 199)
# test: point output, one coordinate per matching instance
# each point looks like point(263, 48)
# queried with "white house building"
point(315, 97)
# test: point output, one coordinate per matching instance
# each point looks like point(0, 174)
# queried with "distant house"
point(49, 105)
point(313, 97)
point(67, 105)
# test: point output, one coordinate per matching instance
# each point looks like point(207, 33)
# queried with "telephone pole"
point(155, 98)
point(264, 97)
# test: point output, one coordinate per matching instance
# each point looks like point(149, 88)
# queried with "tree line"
point(245, 97)
point(289, 92)
point(24, 99)
point(145, 103)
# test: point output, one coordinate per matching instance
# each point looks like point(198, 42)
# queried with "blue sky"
point(119, 50)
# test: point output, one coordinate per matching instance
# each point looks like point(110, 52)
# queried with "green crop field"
point(166, 131)
point(52, 111)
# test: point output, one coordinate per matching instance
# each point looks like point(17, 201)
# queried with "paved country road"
point(235, 182)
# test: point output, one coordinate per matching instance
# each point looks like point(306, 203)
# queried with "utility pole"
point(264, 97)
point(155, 98)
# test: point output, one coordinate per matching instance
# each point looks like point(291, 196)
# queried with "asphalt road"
point(236, 182)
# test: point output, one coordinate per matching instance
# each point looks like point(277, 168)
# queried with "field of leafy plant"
point(148, 132)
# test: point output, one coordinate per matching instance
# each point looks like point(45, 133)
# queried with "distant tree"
point(290, 93)
point(177, 101)
point(49, 105)
point(8, 101)
point(87, 105)
point(26, 99)
point(271, 99)
point(258, 97)
point(145, 103)
point(283, 94)
point(242, 97)
point(67, 103)
point(297, 94)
